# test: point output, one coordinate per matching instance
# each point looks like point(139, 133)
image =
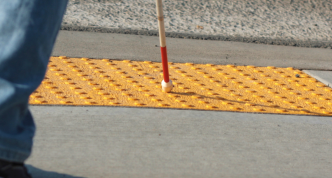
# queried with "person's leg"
point(28, 29)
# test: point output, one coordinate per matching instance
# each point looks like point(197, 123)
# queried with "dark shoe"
point(13, 170)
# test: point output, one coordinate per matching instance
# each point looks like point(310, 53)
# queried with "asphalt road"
point(277, 22)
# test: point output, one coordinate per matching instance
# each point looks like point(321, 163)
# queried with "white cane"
point(166, 84)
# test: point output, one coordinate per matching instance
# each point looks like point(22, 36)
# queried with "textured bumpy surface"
point(83, 81)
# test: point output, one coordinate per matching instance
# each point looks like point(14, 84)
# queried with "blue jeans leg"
point(28, 29)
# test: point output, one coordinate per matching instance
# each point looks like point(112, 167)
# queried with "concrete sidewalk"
point(98, 142)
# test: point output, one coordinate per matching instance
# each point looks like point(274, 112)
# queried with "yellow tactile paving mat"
point(82, 81)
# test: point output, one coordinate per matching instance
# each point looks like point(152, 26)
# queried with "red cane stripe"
point(165, 63)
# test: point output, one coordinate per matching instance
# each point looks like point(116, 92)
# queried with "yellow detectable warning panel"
point(103, 82)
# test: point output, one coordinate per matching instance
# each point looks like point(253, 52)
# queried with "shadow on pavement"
point(38, 173)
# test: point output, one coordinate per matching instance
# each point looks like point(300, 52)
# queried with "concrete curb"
point(256, 40)
point(143, 48)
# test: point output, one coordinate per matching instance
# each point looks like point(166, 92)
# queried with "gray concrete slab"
point(136, 47)
point(99, 142)
point(323, 76)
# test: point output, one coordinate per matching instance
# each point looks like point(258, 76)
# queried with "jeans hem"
point(12, 156)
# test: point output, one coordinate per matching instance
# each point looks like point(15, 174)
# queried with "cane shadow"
point(38, 173)
point(241, 102)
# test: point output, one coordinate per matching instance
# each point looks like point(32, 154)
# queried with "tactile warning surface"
point(82, 81)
